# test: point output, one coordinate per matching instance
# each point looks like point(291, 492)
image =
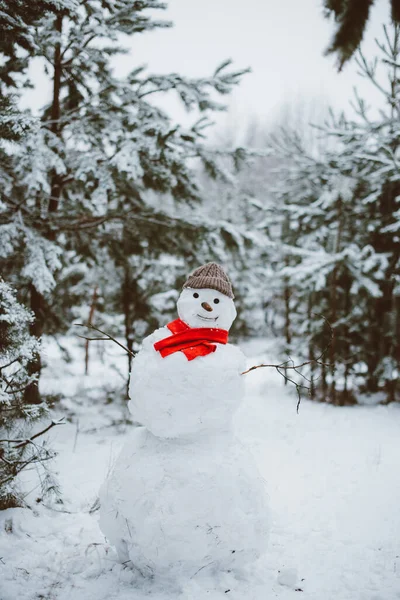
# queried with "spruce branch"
point(21, 443)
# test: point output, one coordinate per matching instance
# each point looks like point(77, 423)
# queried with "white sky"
point(283, 42)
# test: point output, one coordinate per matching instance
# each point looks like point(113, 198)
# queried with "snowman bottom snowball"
point(184, 492)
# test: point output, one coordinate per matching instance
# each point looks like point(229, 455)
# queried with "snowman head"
point(207, 299)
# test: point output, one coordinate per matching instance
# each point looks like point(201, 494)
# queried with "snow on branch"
point(21, 443)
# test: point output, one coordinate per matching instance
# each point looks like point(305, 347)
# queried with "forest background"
point(107, 202)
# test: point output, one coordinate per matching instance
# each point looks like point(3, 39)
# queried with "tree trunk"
point(332, 348)
point(333, 301)
point(55, 116)
point(324, 385)
point(128, 317)
point(37, 302)
point(288, 336)
point(392, 351)
point(311, 353)
point(396, 349)
point(346, 342)
point(91, 314)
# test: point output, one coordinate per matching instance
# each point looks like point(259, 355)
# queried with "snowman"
point(184, 494)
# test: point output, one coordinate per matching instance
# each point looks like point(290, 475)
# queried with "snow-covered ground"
point(333, 476)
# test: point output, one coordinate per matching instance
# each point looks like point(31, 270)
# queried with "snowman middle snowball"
point(174, 396)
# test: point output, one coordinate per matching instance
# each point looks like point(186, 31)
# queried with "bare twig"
point(284, 366)
point(279, 367)
point(201, 568)
point(91, 313)
point(8, 364)
point(108, 336)
point(297, 385)
point(94, 339)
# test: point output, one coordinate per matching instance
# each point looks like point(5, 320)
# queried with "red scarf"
point(192, 341)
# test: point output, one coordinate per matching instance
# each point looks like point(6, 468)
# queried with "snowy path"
point(333, 477)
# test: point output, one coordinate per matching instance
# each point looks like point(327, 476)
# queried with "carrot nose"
point(206, 306)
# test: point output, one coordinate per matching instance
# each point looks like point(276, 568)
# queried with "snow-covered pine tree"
point(319, 256)
point(18, 450)
point(376, 146)
point(343, 243)
point(16, 47)
point(102, 145)
point(351, 17)
point(17, 22)
point(245, 206)
point(249, 204)
point(17, 347)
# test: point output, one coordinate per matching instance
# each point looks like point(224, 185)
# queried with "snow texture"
point(288, 577)
point(184, 492)
point(332, 481)
point(174, 506)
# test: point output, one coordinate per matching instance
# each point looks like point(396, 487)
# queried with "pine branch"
point(21, 443)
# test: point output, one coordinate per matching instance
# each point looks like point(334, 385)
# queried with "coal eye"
point(216, 301)
point(195, 295)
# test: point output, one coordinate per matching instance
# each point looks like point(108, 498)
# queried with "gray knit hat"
point(210, 276)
